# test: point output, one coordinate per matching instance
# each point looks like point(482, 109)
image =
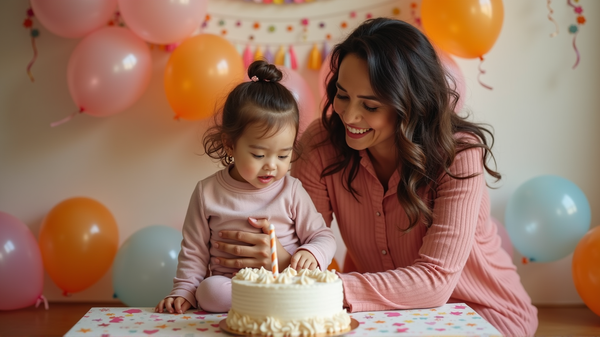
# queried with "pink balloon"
point(108, 71)
point(303, 94)
point(21, 268)
point(73, 18)
point(455, 72)
point(506, 243)
point(163, 21)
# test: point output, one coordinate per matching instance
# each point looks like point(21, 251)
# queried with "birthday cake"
point(303, 303)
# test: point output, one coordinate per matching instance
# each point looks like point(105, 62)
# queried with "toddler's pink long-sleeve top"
point(220, 202)
point(458, 259)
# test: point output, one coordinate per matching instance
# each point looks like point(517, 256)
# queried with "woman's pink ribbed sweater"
point(458, 259)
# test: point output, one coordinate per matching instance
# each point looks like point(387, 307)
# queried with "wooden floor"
point(58, 320)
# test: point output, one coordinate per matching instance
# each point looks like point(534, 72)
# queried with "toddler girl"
point(254, 138)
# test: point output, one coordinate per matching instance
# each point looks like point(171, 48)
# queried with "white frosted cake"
point(304, 303)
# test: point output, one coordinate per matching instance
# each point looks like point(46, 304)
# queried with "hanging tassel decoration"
point(293, 62)
point(247, 57)
point(287, 61)
point(268, 55)
point(240, 49)
point(314, 58)
point(325, 51)
point(280, 56)
point(258, 54)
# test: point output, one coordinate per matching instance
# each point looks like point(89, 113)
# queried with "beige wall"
point(143, 165)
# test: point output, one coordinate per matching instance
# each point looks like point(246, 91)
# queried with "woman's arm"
point(431, 278)
point(257, 254)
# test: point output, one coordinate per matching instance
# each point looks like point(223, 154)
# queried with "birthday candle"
point(274, 264)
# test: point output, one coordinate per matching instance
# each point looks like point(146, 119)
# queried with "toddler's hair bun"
point(264, 71)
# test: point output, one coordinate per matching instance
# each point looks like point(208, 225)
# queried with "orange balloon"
point(586, 269)
point(465, 28)
point(199, 75)
point(334, 266)
point(78, 240)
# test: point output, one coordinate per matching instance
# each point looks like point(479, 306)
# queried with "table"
point(447, 320)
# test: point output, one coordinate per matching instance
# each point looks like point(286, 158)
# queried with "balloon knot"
point(68, 118)
point(40, 300)
point(66, 293)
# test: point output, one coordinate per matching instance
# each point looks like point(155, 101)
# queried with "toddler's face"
point(262, 161)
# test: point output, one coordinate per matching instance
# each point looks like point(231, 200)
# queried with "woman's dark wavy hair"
point(265, 102)
point(406, 74)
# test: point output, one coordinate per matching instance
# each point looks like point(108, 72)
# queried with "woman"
point(405, 177)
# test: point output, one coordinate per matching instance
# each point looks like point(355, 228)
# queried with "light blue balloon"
point(145, 265)
point(546, 217)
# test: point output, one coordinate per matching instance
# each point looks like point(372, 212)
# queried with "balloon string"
point(552, 19)
point(481, 72)
point(35, 53)
point(64, 120)
point(40, 300)
point(576, 51)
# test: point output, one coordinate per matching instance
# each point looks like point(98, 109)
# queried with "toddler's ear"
point(227, 145)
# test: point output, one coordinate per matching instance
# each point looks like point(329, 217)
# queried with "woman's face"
point(369, 123)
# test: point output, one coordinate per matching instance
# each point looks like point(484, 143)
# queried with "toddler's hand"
point(303, 259)
point(172, 305)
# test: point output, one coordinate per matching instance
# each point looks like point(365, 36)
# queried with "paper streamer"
point(481, 72)
point(551, 18)
point(574, 28)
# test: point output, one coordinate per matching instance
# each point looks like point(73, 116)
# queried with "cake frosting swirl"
point(295, 303)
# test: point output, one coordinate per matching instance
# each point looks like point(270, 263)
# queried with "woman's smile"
point(357, 132)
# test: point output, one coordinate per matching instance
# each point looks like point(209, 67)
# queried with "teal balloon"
point(546, 217)
point(145, 265)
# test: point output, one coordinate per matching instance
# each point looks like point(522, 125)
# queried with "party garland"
point(253, 47)
point(224, 23)
point(279, 2)
point(573, 28)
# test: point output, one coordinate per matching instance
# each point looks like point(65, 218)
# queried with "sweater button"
point(383, 252)
point(378, 214)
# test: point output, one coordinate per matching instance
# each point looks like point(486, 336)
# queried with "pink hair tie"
point(256, 79)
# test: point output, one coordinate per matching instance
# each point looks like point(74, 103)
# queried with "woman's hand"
point(172, 305)
point(257, 255)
